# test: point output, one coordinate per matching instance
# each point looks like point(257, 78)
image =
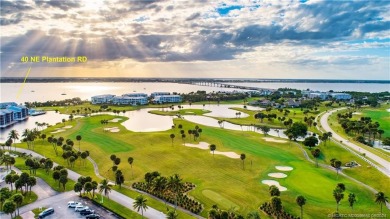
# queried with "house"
point(20, 112)
point(340, 96)
point(125, 100)
point(155, 94)
point(6, 118)
point(135, 95)
point(101, 99)
point(265, 103)
point(292, 103)
point(167, 99)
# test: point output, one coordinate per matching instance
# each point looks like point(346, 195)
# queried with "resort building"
point(167, 99)
point(99, 99)
point(11, 113)
point(135, 95)
point(6, 118)
point(341, 96)
point(155, 94)
point(126, 100)
point(320, 95)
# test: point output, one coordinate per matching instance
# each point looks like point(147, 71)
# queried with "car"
point(93, 216)
point(46, 212)
point(73, 204)
point(87, 212)
point(79, 208)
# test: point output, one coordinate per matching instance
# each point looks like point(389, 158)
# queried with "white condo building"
point(99, 99)
point(167, 99)
point(135, 95)
point(341, 96)
point(155, 94)
point(126, 100)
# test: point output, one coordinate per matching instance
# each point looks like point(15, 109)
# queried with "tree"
point(386, 141)
point(337, 165)
point(265, 129)
point(242, 157)
point(8, 179)
point(88, 187)
point(4, 195)
point(253, 215)
point(119, 178)
point(172, 136)
point(276, 203)
point(274, 191)
point(172, 214)
point(260, 116)
point(14, 135)
point(316, 154)
point(301, 201)
point(140, 204)
point(341, 186)
point(94, 187)
point(351, 200)
point(338, 196)
point(175, 185)
point(31, 181)
point(212, 148)
point(78, 187)
point(105, 188)
point(381, 198)
point(9, 207)
point(48, 165)
point(311, 141)
point(78, 138)
point(63, 180)
point(130, 160)
point(297, 130)
point(18, 199)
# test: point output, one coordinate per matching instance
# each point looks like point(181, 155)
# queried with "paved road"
point(384, 164)
point(114, 195)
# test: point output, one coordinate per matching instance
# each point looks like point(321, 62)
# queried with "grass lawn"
point(381, 115)
point(219, 175)
point(117, 208)
point(47, 177)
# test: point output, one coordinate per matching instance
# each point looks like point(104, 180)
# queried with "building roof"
point(4, 111)
point(103, 95)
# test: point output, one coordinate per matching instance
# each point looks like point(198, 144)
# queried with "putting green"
point(221, 201)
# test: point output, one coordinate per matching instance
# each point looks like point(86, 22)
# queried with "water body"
point(53, 91)
point(362, 87)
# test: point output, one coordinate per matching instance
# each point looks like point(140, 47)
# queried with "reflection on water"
point(50, 117)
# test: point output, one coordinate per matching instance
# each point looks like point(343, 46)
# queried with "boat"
point(63, 94)
point(33, 91)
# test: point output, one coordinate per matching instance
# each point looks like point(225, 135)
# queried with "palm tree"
point(105, 187)
point(380, 198)
point(172, 137)
point(212, 148)
point(175, 185)
point(337, 165)
point(18, 199)
point(351, 200)
point(338, 196)
point(242, 157)
point(253, 215)
point(78, 138)
point(130, 160)
point(172, 214)
point(316, 153)
point(301, 201)
point(14, 135)
point(140, 204)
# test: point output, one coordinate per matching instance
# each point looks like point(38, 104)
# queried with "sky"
point(198, 39)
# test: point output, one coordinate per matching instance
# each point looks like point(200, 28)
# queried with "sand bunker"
point(274, 140)
point(277, 175)
point(67, 127)
point(58, 131)
point(274, 183)
point(112, 129)
point(357, 113)
point(200, 145)
point(284, 168)
point(115, 120)
point(388, 110)
point(233, 155)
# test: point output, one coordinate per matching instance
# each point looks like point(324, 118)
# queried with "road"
point(384, 165)
point(114, 195)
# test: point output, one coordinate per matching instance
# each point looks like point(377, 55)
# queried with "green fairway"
point(381, 115)
point(219, 180)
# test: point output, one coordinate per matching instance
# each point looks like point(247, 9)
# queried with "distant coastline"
point(183, 80)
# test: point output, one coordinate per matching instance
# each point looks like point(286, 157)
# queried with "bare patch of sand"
point(233, 155)
point(357, 113)
point(284, 168)
point(112, 129)
point(277, 175)
point(274, 140)
point(115, 120)
point(58, 131)
point(201, 145)
point(68, 127)
point(274, 183)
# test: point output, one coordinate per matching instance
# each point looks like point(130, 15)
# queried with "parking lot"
point(61, 209)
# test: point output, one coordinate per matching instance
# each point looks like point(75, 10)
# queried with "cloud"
point(63, 5)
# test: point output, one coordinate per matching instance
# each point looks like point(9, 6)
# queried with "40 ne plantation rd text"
point(49, 59)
